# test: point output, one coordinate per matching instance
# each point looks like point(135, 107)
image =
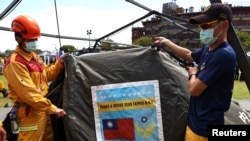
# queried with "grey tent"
point(131, 65)
point(72, 91)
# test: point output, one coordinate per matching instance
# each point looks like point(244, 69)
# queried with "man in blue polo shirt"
point(211, 83)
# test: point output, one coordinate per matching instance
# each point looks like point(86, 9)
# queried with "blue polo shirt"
point(216, 69)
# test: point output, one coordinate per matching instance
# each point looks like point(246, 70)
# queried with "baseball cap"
point(213, 12)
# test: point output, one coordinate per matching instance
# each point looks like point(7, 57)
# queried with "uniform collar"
point(27, 56)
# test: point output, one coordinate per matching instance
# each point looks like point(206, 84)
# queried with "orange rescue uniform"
point(28, 79)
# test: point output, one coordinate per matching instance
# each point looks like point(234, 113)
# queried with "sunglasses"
point(207, 25)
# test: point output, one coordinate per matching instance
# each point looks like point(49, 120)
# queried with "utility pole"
point(89, 32)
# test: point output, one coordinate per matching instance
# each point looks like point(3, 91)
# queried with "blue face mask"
point(31, 46)
point(207, 36)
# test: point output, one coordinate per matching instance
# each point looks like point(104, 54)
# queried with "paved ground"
point(3, 113)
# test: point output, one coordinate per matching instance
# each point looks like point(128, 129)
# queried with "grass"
point(240, 91)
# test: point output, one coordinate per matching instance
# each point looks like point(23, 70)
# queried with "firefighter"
point(3, 89)
point(28, 79)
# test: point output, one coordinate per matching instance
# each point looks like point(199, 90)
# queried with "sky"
point(75, 17)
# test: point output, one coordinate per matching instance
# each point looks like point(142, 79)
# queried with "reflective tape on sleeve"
point(28, 128)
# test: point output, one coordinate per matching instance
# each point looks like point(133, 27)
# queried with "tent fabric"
point(237, 115)
point(72, 92)
point(131, 65)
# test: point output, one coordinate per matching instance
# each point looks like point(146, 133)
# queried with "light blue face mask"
point(207, 36)
point(31, 46)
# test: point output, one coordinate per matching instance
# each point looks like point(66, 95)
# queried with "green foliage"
point(38, 51)
point(244, 37)
point(69, 48)
point(183, 44)
point(143, 41)
point(108, 45)
point(8, 52)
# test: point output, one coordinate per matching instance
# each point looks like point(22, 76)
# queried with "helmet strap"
point(18, 34)
point(20, 45)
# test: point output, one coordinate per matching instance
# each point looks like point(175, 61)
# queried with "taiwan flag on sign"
point(122, 128)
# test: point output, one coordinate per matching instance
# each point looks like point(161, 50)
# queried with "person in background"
point(211, 82)
point(66, 51)
point(28, 79)
point(52, 60)
point(3, 133)
point(237, 73)
point(3, 90)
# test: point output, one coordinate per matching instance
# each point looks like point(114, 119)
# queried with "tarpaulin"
point(131, 65)
point(73, 92)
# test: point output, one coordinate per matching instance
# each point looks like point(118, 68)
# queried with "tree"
point(8, 52)
point(143, 41)
point(244, 37)
point(68, 48)
point(183, 44)
point(108, 45)
point(38, 51)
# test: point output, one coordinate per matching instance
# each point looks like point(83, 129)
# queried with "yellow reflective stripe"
point(29, 128)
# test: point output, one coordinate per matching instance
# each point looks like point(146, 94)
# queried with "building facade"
point(188, 36)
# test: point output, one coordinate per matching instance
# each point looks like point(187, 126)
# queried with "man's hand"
point(160, 42)
point(60, 113)
point(61, 57)
point(192, 70)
